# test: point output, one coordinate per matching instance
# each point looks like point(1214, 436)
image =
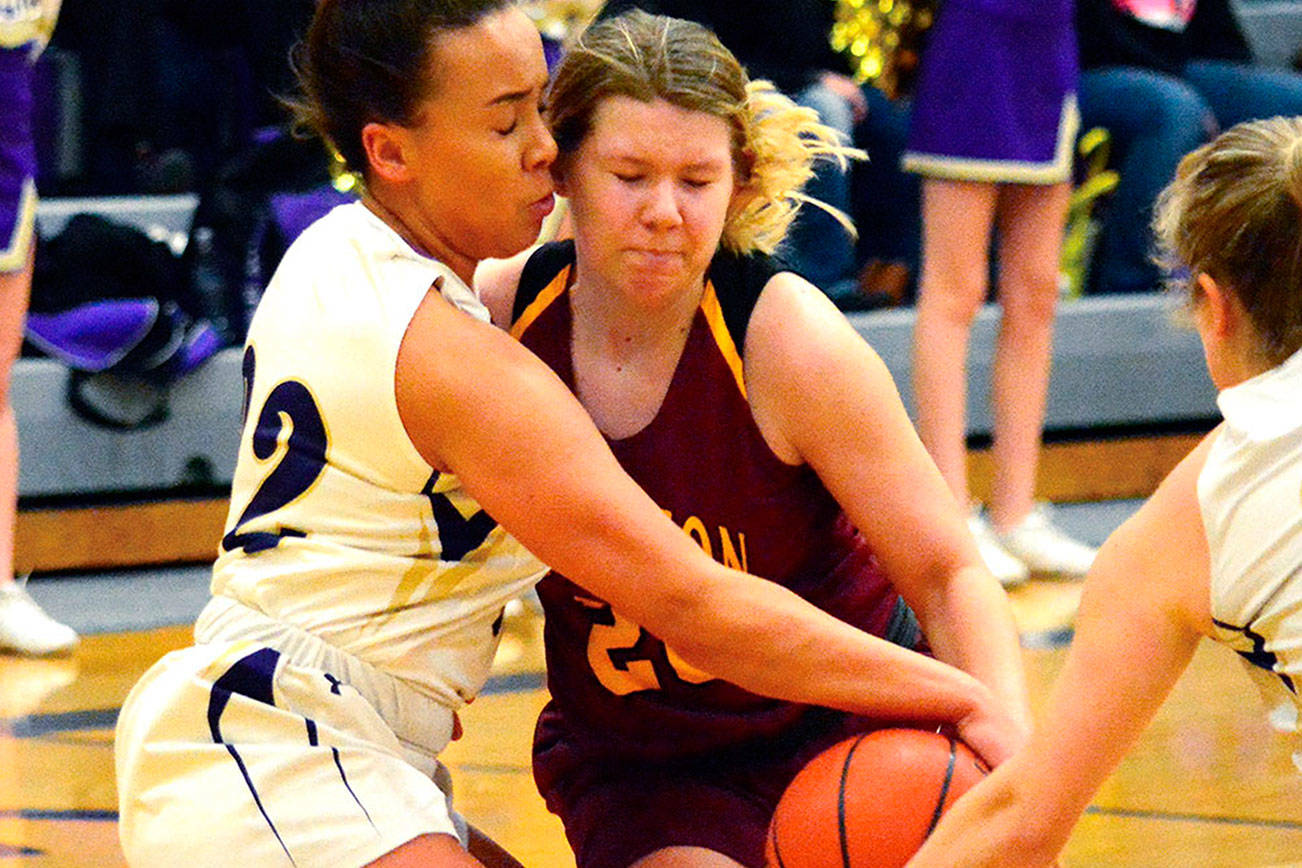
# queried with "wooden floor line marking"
point(37, 725)
point(1132, 813)
point(46, 814)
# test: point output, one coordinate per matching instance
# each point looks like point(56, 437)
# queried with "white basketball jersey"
point(1250, 493)
point(337, 525)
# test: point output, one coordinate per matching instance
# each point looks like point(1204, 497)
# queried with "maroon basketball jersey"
point(705, 463)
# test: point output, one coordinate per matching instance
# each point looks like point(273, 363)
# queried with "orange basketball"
point(870, 801)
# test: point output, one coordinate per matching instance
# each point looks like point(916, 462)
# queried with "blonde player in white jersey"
point(360, 584)
point(1217, 550)
point(25, 28)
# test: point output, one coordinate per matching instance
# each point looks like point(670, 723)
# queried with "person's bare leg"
point(444, 850)
point(15, 288)
point(1030, 221)
point(25, 628)
point(957, 217)
point(685, 857)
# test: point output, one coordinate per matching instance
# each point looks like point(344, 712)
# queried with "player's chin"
point(510, 240)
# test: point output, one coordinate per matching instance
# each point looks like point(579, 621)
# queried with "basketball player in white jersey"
point(402, 463)
point(1217, 550)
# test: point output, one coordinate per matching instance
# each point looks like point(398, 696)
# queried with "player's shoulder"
point(336, 236)
point(738, 280)
point(781, 305)
point(536, 271)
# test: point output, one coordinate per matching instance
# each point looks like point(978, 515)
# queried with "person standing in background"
point(25, 28)
point(993, 129)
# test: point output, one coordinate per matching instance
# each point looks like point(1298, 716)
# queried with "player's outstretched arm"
point(821, 394)
point(478, 404)
point(1144, 608)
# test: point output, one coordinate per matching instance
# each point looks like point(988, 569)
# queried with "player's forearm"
point(995, 825)
point(794, 651)
point(969, 625)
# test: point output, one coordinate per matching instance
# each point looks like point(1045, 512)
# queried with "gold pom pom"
point(883, 40)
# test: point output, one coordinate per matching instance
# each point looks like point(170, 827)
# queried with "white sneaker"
point(25, 628)
point(1044, 548)
point(1006, 568)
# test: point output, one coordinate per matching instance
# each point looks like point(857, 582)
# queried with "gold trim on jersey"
point(542, 301)
point(228, 658)
point(722, 337)
point(14, 258)
point(429, 576)
point(1005, 171)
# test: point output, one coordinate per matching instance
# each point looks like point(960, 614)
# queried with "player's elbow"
point(692, 615)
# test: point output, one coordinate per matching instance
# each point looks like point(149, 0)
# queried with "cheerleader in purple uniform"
point(994, 123)
point(25, 27)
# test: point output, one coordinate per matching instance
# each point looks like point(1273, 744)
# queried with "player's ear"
point(383, 144)
point(1224, 313)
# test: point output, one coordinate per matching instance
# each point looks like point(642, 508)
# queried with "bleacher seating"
point(1119, 361)
point(1274, 28)
point(63, 455)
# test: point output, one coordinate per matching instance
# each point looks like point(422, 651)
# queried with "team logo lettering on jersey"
point(626, 658)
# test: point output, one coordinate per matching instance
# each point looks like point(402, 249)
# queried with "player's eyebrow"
point(519, 94)
point(511, 96)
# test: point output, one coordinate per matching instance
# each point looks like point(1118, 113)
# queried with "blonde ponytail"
point(782, 142)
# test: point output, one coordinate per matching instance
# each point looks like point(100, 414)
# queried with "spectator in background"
point(993, 128)
point(787, 42)
point(1163, 76)
point(886, 201)
point(24, 29)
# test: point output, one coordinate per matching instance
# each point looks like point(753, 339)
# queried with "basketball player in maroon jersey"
point(758, 420)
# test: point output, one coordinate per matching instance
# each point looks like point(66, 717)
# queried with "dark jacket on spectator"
point(1111, 37)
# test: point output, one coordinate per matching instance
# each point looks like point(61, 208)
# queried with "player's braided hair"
point(369, 60)
point(649, 57)
point(1234, 211)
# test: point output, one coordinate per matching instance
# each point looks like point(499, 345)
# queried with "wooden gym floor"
point(1209, 785)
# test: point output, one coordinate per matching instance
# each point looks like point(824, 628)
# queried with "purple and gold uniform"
point(1015, 122)
point(638, 750)
point(25, 27)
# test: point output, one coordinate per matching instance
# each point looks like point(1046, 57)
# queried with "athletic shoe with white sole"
point(1010, 571)
point(25, 628)
point(1044, 548)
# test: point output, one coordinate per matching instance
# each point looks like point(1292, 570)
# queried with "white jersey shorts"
point(231, 754)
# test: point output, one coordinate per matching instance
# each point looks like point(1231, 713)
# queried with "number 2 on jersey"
point(291, 411)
